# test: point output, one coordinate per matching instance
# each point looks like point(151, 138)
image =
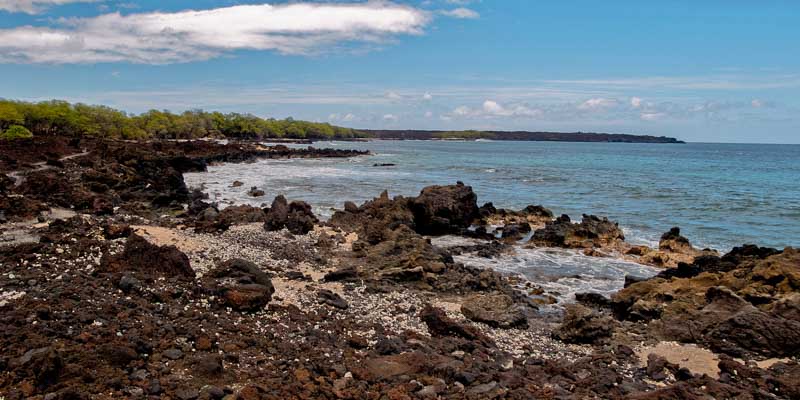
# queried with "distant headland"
point(516, 135)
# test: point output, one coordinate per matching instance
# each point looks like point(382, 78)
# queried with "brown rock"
point(142, 256)
point(497, 310)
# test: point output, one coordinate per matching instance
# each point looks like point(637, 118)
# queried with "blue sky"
point(720, 71)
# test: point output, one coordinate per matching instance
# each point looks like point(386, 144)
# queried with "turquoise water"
point(721, 195)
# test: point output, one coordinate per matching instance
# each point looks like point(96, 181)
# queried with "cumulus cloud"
point(597, 104)
point(636, 102)
point(391, 118)
point(393, 95)
point(756, 103)
point(461, 13)
point(36, 6)
point(162, 38)
point(493, 109)
point(427, 96)
point(344, 118)
point(651, 116)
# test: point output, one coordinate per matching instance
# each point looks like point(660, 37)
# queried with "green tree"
point(10, 115)
point(16, 132)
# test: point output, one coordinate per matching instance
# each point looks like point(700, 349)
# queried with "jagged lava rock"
point(141, 256)
point(242, 285)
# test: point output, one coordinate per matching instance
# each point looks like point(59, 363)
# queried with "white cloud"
point(427, 96)
point(393, 96)
point(391, 118)
point(756, 103)
point(349, 117)
point(492, 107)
point(651, 116)
point(462, 13)
point(636, 102)
point(36, 6)
point(462, 111)
point(428, 114)
point(162, 38)
point(597, 104)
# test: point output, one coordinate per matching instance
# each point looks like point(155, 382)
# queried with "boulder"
point(296, 216)
point(141, 256)
point(255, 192)
point(210, 220)
point(439, 324)
point(440, 210)
point(582, 325)
point(404, 255)
point(496, 310)
point(241, 285)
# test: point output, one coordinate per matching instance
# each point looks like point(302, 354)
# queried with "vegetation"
point(15, 132)
point(62, 118)
point(469, 135)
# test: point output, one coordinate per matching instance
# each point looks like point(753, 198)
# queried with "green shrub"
point(16, 132)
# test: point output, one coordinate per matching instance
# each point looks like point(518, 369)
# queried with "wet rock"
point(516, 231)
point(141, 256)
point(332, 299)
point(255, 192)
point(440, 210)
point(596, 300)
point(592, 231)
point(242, 285)
point(674, 242)
point(630, 280)
point(237, 184)
point(584, 326)
point(497, 310)
point(350, 207)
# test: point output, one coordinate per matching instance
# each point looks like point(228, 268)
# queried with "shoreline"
point(161, 293)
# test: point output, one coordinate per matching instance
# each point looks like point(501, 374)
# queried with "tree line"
point(56, 117)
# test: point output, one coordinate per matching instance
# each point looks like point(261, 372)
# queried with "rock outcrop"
point(723, 302)
point(591, 232)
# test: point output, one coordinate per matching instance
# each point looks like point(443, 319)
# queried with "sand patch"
point(169, 237)
point(696, 359)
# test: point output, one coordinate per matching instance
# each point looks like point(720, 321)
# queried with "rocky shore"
point(118, 281)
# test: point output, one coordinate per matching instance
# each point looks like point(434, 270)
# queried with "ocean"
point(720, 195)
